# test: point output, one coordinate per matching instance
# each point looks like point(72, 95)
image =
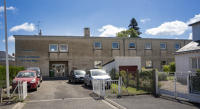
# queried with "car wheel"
point(69, 81)
point(36, 89)
point(85, 84)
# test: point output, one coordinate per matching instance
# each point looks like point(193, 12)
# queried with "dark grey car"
point(76, 76)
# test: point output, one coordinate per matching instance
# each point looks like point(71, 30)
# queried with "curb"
point(114, 104)
point(19, 105)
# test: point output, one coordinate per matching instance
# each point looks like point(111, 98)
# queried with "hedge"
point(13, 70)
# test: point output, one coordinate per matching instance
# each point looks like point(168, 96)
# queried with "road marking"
point(59, 99)
point(113, 107)
point(19, 105)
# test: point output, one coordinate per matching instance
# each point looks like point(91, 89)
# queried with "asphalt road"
point(61, 95)
point(150, 102)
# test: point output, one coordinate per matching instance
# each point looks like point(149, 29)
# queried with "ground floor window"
point(149, 64)
point(196, 63)
point(98, 64)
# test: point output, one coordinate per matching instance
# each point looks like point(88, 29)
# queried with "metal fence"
point(178, 85)
point(20, 90)
point(104, 88)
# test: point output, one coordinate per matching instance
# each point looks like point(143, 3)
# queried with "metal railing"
point(20, 90)
point(104, 87)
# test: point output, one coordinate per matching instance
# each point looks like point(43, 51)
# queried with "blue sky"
point(156, 18)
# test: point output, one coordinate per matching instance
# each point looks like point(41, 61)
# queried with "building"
point(11, 59)
point(61, 54)
point(188, 57)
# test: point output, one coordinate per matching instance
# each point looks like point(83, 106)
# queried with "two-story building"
point(64, 53)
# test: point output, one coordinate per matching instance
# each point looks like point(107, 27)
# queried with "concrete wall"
point(34, 51)
point(184, 62)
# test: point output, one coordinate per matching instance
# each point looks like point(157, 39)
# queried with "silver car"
point(99, 74)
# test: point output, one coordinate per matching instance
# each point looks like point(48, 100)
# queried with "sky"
point(156, 18)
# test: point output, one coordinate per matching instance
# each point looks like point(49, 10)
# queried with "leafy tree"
point(133, 24)
point(128, 33)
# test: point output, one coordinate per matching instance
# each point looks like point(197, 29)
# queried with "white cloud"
point(10, 39)
point(145, 20)
point(169, 29)
point(110, 30)
point(26, 27)
point(196, 18)
point(11, 8)
point(190, 36)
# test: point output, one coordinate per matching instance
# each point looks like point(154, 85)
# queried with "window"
point(53, 47)
point(97, 64)
point(177, 46)
point(97, 45)
point(148, 64)
point(115, 45)
point(132, 45)
point(147, 45)
point(194, 63)
point(63, 48)
point(163, 46)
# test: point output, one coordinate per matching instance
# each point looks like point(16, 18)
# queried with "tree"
point(133, 24)
point(172, 67)
point(128, 33)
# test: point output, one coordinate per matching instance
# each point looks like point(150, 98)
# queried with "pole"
point(6, 47)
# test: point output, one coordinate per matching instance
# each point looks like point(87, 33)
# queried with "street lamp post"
point(6, 47)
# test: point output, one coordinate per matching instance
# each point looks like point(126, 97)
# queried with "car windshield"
point(25, 75)
point(79, 72)
point(98, 73)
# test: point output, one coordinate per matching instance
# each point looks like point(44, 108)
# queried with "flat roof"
point(194, 23)
point(54, 36)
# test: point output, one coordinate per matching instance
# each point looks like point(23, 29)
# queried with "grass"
point(170, 77)
point(128, 90)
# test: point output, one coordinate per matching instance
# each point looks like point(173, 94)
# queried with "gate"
point(105, 88)
point(177, 85)
point(20, 90)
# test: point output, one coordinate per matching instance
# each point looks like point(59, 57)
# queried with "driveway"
point(59, 94)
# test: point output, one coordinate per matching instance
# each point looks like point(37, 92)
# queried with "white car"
point(98, 74)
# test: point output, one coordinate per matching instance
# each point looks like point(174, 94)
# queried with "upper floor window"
point(177, 46)
point(97, 45)
point(115, 45)
point(147, 45)
point(53, 47)
point(132, 45)
point(63, 47)
point(163, 46)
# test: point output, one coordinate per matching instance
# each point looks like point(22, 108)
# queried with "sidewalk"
point(150, 102)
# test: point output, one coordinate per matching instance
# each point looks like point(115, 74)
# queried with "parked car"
point(30, 76)
point(77, 76)
point(98, 74)
point(37, 69)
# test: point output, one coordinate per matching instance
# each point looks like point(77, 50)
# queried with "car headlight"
point(33, 80)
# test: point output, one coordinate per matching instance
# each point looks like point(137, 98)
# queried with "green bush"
point(198, 72)
point(13, 70)
point(162, 76)
point(114, 75)
point(172, 67)
point(166, 68)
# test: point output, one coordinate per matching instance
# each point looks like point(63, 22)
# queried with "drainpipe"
point(124, 47)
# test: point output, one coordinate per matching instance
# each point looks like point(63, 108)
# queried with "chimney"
point(40, 33)
point(86, 32)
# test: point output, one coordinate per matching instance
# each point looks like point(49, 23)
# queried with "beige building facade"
point(65, 53)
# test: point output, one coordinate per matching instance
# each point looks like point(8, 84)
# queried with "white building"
point(132, 63)
point(188, 57)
